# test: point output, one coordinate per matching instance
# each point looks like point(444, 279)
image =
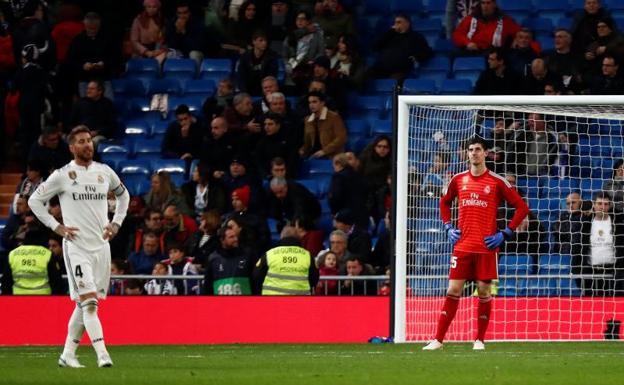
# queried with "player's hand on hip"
point(66, 232)
point(496, 240)
point(452, 233)
point(110, 230)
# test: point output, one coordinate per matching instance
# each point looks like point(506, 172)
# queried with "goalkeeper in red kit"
point(476, 238)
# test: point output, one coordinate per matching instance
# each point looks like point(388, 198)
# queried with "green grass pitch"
point(592, 363)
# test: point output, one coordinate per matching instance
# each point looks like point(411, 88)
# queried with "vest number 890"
point(289, 260)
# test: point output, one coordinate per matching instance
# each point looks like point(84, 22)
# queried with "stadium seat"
point(539, 25)
point(427, 25)
point(325, 209)
point(512, 287)
point(169, 86)
point(193, 102)
point(443, 46)
point(518, 10)
point(317, 166)
point(357, 127)
point(559, 188)
point(138, 186)
point(159, 127)
point(377, 7)
point(112, 159)
point(179, 68)
point(311, 185)
point(201, 87)
point(381, 86)
point(403, 6)
point(135, 166)
point(144, 68)
point(541, 287)
point(437, 68)
point(567, 287)
point(456, 87)
point(616, 7)
point(602, 168)
point(369, 106)
point(563, 22)
point(211, 68)
point(128, 87)
point(137, 128)
point(380, 127)
point(147, 149)
point(175, 167)
point(112, 146)
point(419, 86)
point(550, 264)
point(514, 264)
point(326, 223)
point(356, 144)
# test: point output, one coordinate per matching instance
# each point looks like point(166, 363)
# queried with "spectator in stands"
point(357, 267)
point(152, 223)
point(348, 190)
point(329, 268)
point(31, 82)
point(119, 267)
point(229, 267)
point(611, 81)
point(241, 174)
point(183, 137)
point(536, 147)
point(180, 264)
point(241, 30)
point(565, 63)
point(203, 192)
point(273, 144)
point(96, 112)
point(568, 223)
point(35, 175)
point(584, 22)
point(143, 262)
point(255, 64)
point(533, 83)
point(321, 70)
point(609, 41)
point(522, 52)
point(375, 163)
point(157, 286)
point(324, 133)
point(55, 245)
point(204, 241)
point(278, 169)
point(598, 249)
point(399, 49)
point(530, 237)
point(219, 148)
point(30, 27)
point(359, 240)
point(242, 122)
point(301, 47)
point(311, 238)
point(147, 32)
point(338, 245)
point(279, 23)
point(348, 67)
point(68, 26)
point(91, 55)
point(333, 20)
point(288, 200)
point(615, 186)
point(456, 10)
point(486, 27)
point(552, 88)
point(498, 78)
point(382, 251)
point(222, 99)
point(17, 225)
point(50, 150)
point(269, 86)
point(185, 34)
point(437, 175)
point(302, 108)
point(254, 224)
point(163, 193)
point(178, 227)
point(291, 127)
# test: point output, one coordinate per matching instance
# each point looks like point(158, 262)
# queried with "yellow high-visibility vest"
point(287, 274)
point(29, 267)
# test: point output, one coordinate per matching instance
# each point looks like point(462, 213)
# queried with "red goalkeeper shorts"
point(474, 266)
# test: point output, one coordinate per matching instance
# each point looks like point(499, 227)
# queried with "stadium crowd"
point(279, 141)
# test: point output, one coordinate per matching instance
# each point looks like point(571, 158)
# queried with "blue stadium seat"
point(144, 68)
point(180, 68)
point(555, 264)
point(381, 86)
point(518, 10)
point(325, 209)
point(215, 67)
point(567, 287)
point(193, 102)
point(129, 87)
point(356, 144)
point(317, 166)
point(169, 86)
point(559, 188)
point(112, 159)
point(381, 127)
point(326, 223)
point(202, 87)
point(443, 46)
point(514, 264)
point(419, 86)
point(369, 106)
point(275, 235)
point(138, 186)
point(539, 25)
point(135, 166)
point(437, 68)
point(427, 25)
point(589, 186)
point(159, 127)
point(311, 185)
point(137, 128)
point(377, 7)
point(409, 7)
point(512, 287)
point(563, 22)
point(540, 287)
point(146, 149)
point(616, 7)
point(602, 168)
point(357, 127)
point(456, 87)
point(175, 167)
point(112, 146)
point(468, 68)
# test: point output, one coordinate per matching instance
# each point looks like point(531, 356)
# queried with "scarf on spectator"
point(498, 33)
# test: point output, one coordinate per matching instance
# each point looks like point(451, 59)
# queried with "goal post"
point(551, 147)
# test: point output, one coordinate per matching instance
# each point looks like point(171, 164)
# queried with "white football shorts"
point(87, 271)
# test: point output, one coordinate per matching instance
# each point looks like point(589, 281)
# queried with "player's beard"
point(85, 155)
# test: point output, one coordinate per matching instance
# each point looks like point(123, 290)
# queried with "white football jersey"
point(82, 193)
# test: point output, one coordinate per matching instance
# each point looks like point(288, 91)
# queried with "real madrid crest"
point(72, 175)
point(100, 179)
point(486, 190)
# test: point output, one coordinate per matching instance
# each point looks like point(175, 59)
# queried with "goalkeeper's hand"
point(452, 233)
point(496, 240)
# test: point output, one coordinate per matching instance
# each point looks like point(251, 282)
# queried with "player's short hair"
point(79, 129)
point(601, 195)
point(477, 140)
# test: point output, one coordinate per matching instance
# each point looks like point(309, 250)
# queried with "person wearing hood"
point(287, 269)
point(486, 27)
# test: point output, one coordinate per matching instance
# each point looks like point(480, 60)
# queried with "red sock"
point(483, 311)
point(446, 316)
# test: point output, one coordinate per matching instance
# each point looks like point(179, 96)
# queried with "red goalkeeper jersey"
point(478, 198)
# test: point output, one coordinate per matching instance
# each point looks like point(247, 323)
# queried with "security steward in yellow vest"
point(31, 269)
point(287, 269)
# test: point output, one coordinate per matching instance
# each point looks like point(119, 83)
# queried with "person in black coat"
point(348, 190)
point(399, 48)
point(50, 150)
point(359, 240)
point(183, 137)
point(288, 200)
point(203, 192)
point(255, 64)
point(218, 148)
point(497, 79)
point(229, 267)
point(31, 81)
point(255, 233)
point(273, 144)
point(96, 112)
point(204, 241)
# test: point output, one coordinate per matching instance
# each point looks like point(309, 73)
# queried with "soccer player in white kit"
point(82, 186)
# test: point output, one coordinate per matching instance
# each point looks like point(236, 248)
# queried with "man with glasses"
point(610, 81)
point(152, 223)
point(143, 262)
point(569, 222)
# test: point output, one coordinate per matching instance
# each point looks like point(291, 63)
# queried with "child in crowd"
point(160, 286)
point(118, 267)
point(179, 264)
point(328, 267)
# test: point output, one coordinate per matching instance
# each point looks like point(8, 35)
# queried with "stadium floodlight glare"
point(553, 146)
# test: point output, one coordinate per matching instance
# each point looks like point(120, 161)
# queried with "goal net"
point(558, 279)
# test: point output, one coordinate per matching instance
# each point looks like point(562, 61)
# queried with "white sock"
point(93, 326)
point(75, 329)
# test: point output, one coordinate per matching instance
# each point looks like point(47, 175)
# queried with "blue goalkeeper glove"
point(452, 233)
point(496, 240)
